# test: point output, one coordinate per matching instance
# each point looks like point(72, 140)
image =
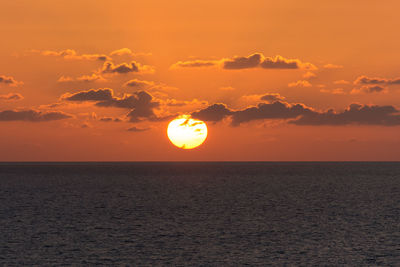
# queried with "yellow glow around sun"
point(187, 133)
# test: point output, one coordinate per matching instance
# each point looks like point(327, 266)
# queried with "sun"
point(186, 132)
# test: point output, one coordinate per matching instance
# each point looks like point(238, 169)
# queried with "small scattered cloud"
point(272, 97)
point(341, 82)
point(127, 52)
point(300, 83)
point(84, 78)
point(8, 80)
point(368, 80)
point(332, 66)
point(70, 54)
point(139, 83)
point(367, 89)
point(309, 75)
point(11, 97)
point(123, 68)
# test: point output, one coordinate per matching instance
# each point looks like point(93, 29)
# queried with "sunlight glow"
point(186, 132)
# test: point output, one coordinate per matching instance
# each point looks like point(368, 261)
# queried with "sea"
point(200, 214)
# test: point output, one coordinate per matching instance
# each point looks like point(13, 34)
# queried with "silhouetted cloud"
point(11, 97)
point(215, 112)
point(367, 80)
point(8, 80)
point(140, 103)
point(110, 119)
point(355, 114)
point(133, 66)
point(32, 115)
point(90, 95)
point(251, 61)
point(275, 110)
point(300, 114)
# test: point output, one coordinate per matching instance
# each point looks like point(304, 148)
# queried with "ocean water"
point(207, 214)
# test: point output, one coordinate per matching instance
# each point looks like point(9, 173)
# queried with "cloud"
point(355, 114)
point(90, 95)
point(215, 112)
point(121, 52)
point(341, 82)
point(32, 115)
point(139, 83)
point(136, 129)
point(300, 83)
point(194, 63)
point(300, 114)
point(256, 60)
point(272, 97)
point(367, 80)
point(84, 78)
point(332, 66)
point(127, 52)
point(70, 54)
point(251, 61)
point(275, 110)
point(140, 103)
point(309, 75)
point(8, 80)
point(11, 97)
point(369, 89)
point(133, 66)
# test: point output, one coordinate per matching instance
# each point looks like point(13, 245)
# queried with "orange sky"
point(293, 80)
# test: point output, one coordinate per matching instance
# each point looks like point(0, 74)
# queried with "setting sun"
point(186, 132)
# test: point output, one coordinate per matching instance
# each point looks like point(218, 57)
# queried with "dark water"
point(219, 214)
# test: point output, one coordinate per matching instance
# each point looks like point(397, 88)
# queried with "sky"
point(96, 80)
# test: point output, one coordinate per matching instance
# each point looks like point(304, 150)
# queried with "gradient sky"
point(274, 80)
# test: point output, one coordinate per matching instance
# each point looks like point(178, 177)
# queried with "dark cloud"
point(9, 80)
point(11, 97)
point(275, 110)
point(136, 129)
point(215, 112)
point(354, 114)
point(299, 114)
point(367, 80)
point(123, 68)
point(32, 115)
point(90, 95)
point(141, 103)
point(251, 61)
